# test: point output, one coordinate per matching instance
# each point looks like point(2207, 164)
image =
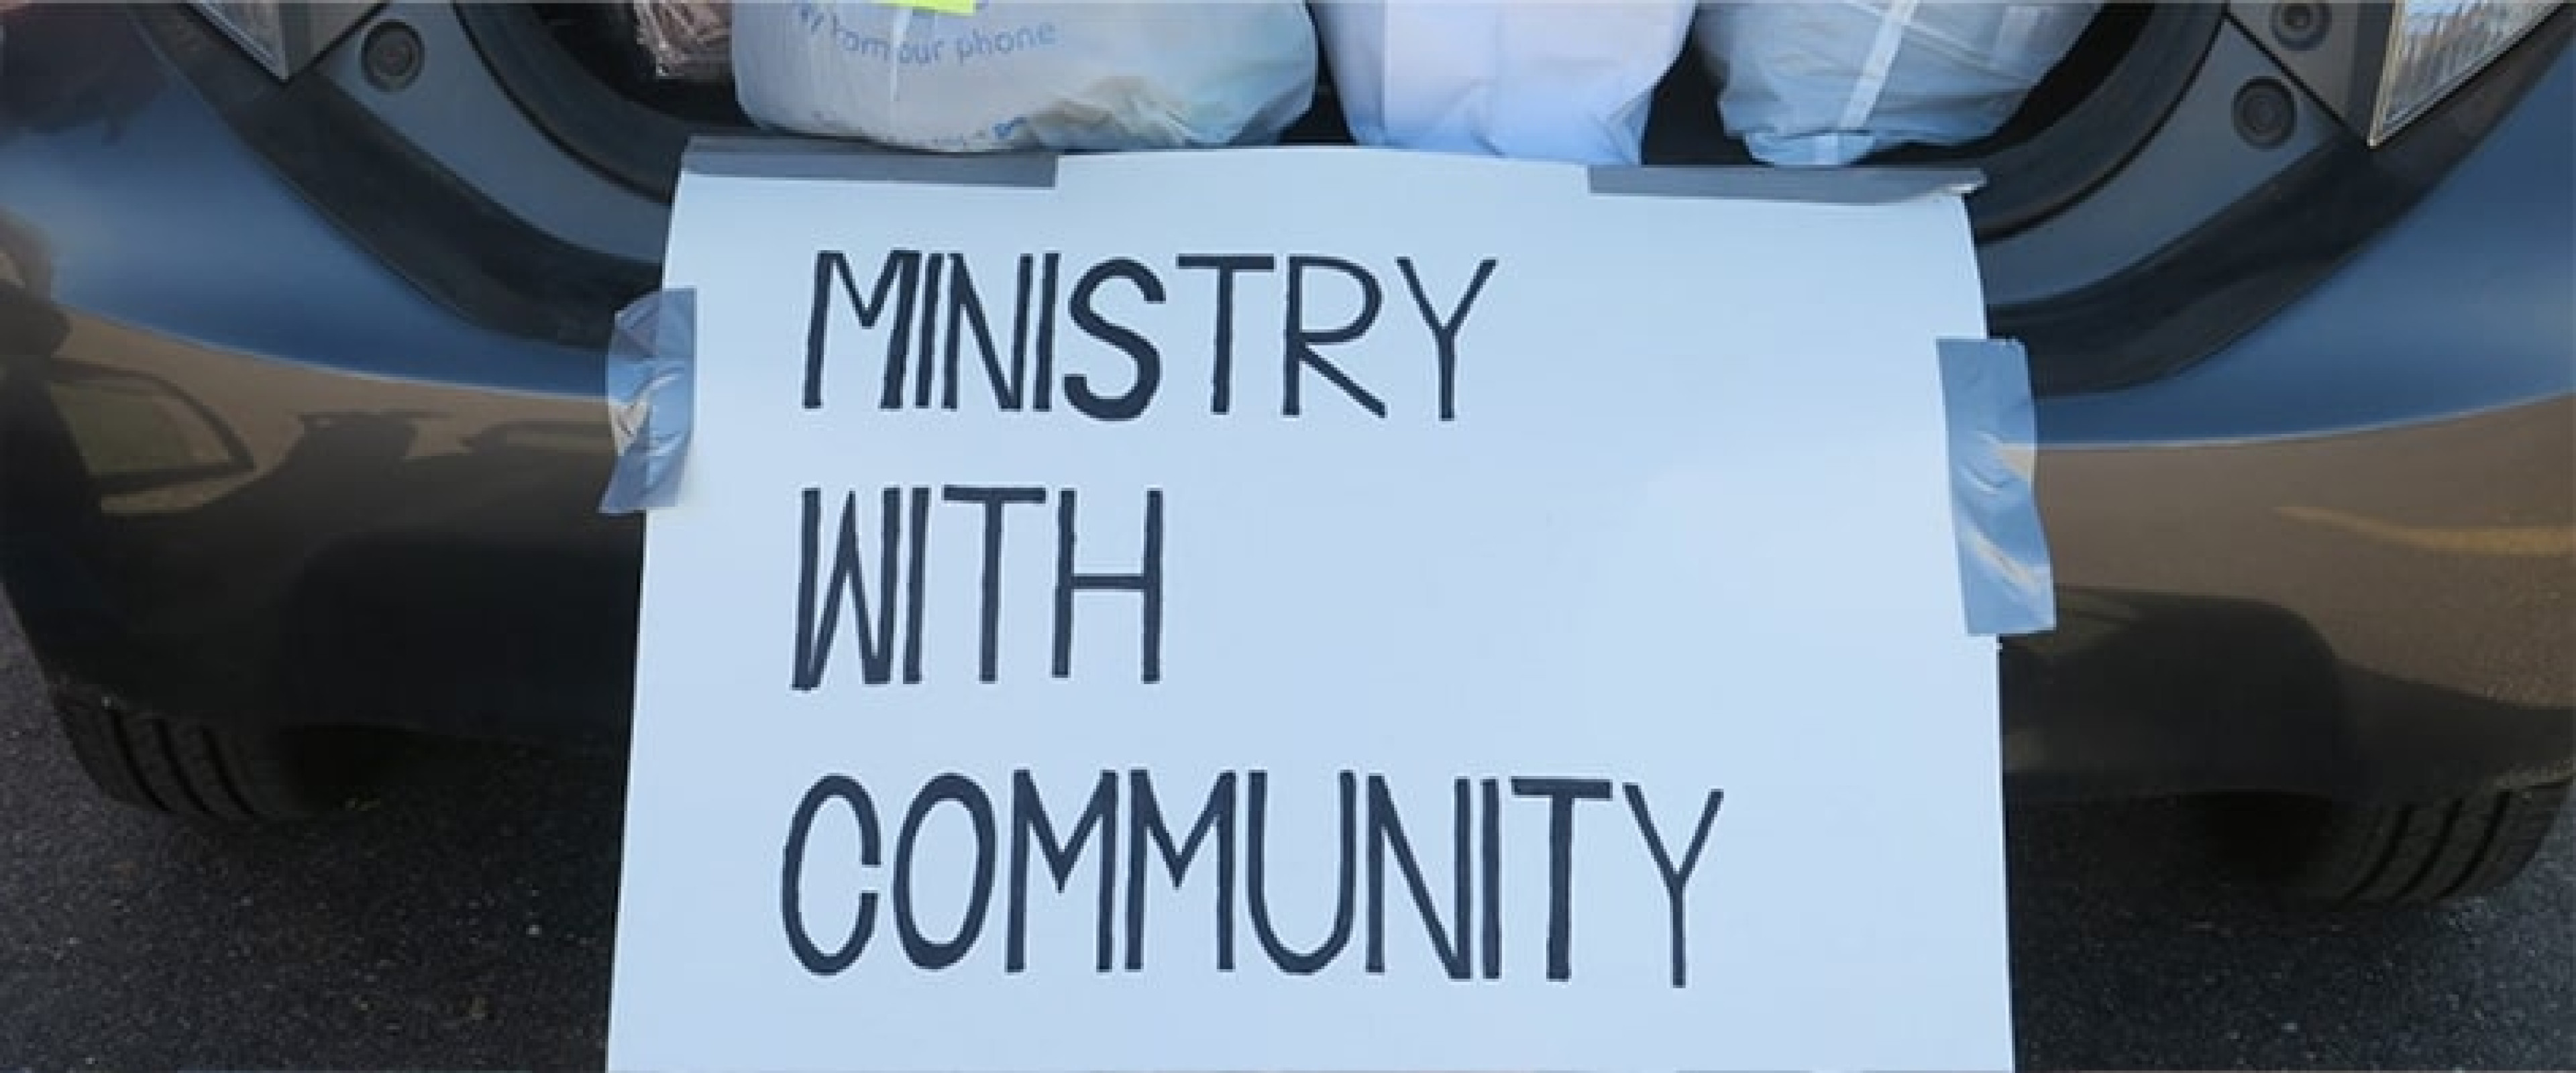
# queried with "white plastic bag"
point(1071, 76)
point(1828, 83)
point(1565, 80)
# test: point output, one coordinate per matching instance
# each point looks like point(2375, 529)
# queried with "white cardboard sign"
point(1311, 610)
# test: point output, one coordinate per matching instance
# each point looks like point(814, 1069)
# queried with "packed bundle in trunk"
point(1008, 74)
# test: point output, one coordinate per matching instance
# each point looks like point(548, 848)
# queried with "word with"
point(1232, 825)
point(903, 543)
point(933, 309)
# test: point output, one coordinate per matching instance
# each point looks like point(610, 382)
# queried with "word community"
point(1123, 837)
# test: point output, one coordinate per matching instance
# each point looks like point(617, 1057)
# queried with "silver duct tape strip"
point(771, 157)
point(2005, 580)
point(1820, 186)
point(652, 374)
point(775, 157)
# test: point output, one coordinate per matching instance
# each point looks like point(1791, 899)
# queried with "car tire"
point(2365, 855)
point(207, 772)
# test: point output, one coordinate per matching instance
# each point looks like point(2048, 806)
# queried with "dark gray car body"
point(255, 467)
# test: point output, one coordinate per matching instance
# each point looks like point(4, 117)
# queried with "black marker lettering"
point(923, 952)
point(1221, 380)
point(1149, 363)
point(902, 270)
point(1029, 824)
point(791, 877)
point(1471, 926)
point(927, 371)
point(1492, 799)
point(1676, 880)
point(1446, 332)
point(813, 634)
point(988, 668)
point(966, 314)
point(917, 565)
point(1215, 825)
point(1051, 264)
point(1300, 353)
point(1146, 582)
point(1257, 834)
point(1385, 831)
point(1020, 299)
point(1561, 795)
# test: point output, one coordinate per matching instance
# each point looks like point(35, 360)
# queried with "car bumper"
point(247, 473)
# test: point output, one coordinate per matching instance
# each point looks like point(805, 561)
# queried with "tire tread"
point(2423, 853)
point(194, 770)
point(201, 754)
point(146, 770)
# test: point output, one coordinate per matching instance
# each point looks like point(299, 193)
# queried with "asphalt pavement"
point(463, 919)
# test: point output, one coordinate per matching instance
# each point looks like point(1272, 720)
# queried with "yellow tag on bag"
point(944, 7)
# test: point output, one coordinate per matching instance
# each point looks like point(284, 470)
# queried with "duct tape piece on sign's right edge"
point(652, 362)
point(2005, 580)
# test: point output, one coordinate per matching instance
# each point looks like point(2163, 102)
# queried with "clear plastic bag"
point(1070, 76)
point(1564, 80)
point(1828, 83)
point(686, 40)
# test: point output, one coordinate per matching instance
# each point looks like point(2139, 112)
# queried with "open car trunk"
point(578, 70)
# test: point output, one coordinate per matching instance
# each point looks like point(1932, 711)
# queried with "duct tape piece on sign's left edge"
point(652, 363)
point(2005, 581)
